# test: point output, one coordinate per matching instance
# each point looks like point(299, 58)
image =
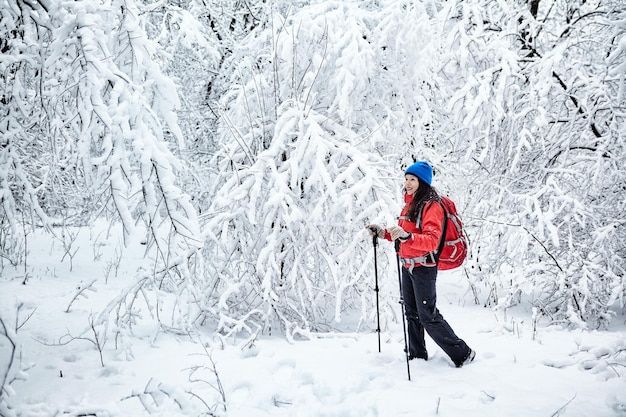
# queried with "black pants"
point(420, 297)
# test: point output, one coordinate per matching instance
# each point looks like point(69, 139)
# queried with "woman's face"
point(411, 183)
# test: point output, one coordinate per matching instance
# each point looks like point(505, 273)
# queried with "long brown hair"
point(423, 195)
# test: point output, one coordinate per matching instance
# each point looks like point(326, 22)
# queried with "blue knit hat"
point(421, 170)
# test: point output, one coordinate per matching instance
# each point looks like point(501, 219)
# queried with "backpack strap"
point(442, 240)
point(444, 229)
point(420, 260)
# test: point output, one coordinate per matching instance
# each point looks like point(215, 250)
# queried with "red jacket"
point(423, 241)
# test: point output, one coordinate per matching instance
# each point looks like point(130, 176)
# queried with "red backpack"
point(452, 250)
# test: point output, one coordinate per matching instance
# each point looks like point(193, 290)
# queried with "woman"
point(419, 270)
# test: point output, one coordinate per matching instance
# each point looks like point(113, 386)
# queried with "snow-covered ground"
point(518, 371)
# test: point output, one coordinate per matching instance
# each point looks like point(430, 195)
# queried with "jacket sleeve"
point(432, 222)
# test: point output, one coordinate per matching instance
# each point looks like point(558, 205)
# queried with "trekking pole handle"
point(374, 235)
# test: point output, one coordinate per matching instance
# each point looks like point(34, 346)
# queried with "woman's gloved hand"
point(375, 230)
point(397, 232)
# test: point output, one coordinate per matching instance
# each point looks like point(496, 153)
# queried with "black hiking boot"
point(470, 357)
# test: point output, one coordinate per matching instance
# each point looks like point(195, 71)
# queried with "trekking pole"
point(375, 242)
point(406, 347)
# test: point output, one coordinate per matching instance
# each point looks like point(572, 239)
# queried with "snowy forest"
point(246, 144)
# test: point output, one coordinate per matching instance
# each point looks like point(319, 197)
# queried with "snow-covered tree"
point(540, 110)
point(294, 121)
point(297, 181)
point(196, 40)
point(87, 121)
point(456, 83)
